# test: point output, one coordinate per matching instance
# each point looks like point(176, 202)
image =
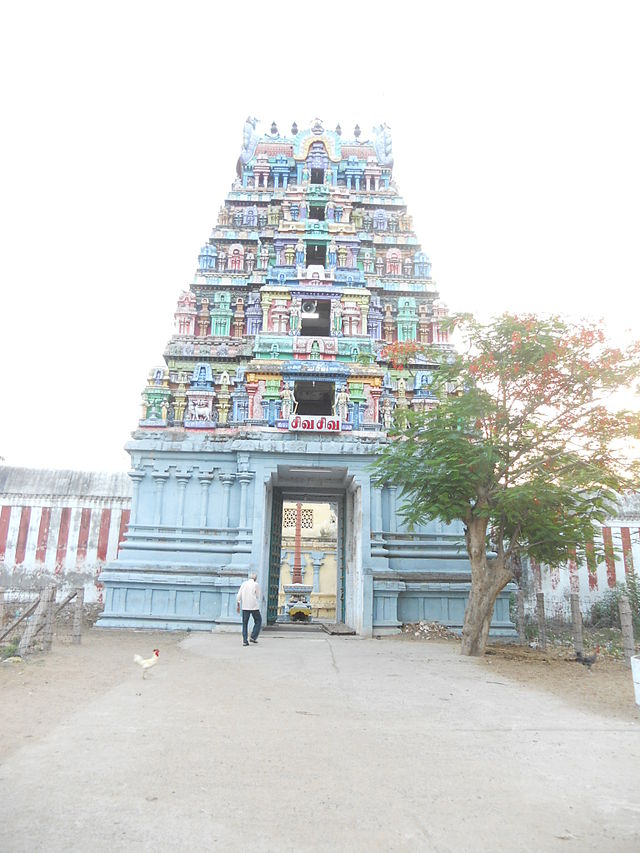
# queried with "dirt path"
point(308, 742)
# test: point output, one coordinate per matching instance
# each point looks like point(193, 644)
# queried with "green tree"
point(521, 448)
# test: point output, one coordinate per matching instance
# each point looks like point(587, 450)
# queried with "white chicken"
point(147, 663)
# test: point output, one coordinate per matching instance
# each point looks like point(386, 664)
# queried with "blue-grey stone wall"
point(201, 520)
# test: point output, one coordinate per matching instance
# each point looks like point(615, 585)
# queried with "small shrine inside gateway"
point(278, 389)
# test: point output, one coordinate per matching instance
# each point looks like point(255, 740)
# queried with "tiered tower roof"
point(312, 271)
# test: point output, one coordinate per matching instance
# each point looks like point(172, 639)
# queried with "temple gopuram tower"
point(275, 390)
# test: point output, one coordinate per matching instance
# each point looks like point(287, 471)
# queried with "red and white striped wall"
point(70, 537)
point(621, 542)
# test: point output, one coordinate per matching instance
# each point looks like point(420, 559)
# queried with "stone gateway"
point(278, 388)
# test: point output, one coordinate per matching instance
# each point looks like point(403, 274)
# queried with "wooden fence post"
point(47, 639)
point(36, 621)
point(1, 606)
point(77, 616)
point(626, 621)
point(576, 617)
point(522, 637)
point(19, 619)
point(542, 629)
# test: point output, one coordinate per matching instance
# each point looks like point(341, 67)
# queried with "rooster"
point(148, 662)
point(587, 660)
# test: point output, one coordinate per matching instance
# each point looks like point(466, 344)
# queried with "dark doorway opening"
point(316, 255)
point(314, 398)
point(316, 213)
point(317, 176)
point(316, 318)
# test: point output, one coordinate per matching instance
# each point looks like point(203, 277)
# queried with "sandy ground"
point(605, 688)
point(310, 742)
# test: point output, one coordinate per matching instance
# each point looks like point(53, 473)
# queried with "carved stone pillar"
point(223, 409)
point(251, 388)
point(203, 319)
point(385, 606)
point(375, 401)
point(226, 480)
point(160, 478)
point(317, 559)
point(376, 509)
point(244, 478)
point(206, 478)
point(137, 476)
point(183, 478)
point(393, 522)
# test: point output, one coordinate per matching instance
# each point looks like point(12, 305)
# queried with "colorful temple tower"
point(276, 388)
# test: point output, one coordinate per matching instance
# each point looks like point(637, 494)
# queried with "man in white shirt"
point(248, 600)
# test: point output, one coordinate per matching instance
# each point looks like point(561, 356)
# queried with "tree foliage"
point(521, 448)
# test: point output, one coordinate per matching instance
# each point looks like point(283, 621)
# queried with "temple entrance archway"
point(312, 546)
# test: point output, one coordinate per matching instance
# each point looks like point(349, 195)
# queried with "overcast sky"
point(515, 134)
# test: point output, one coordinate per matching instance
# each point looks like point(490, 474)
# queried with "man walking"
point(248, 599)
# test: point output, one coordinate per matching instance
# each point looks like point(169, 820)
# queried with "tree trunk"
point(488, 578)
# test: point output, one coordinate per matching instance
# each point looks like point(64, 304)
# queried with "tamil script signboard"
point(314, 423)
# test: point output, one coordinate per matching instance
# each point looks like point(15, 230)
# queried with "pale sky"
point(516, 136)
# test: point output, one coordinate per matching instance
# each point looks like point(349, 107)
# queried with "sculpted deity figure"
point(315, 351)
point(368, 261)
point(249, 139)
point(342, 404)
point(264, 257)
point(379, 265)
point(336, 318)
point(332, 254)
point(300, 253)
point(402, 392)
point(294, 317)
point(329, 211)
point(222, 260)
point(303, 210)
point(386, 413)
point(305, 174)
point(250, 261)
point(223, 216)
point(288, 402)
point(356, 217)
point(406, 266)
point(382, 144)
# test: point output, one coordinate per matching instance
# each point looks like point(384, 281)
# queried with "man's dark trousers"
point(257, 624)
